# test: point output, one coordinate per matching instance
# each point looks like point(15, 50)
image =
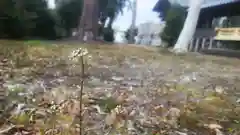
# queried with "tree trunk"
point(89, 20)
point(133, 25)
point(95, 19)
point(82, 22)
point(189, 27)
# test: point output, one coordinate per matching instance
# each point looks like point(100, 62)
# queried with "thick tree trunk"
point(189, 26)
point(89, 20)
point(95, 19)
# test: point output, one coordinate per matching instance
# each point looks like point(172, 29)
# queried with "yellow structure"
point(227, 34)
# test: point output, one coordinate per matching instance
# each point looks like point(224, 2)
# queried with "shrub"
point(128, 32)
point(108, 34)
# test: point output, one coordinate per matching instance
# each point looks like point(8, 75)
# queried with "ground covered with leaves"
point(127, 90)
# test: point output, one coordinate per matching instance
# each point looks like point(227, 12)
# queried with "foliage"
point(21, 19)
point(69, 13)
point(108, 34)
point(109, 9)
point(33, 18)
point(128, 32)
point(162, 8)
point(174, 22)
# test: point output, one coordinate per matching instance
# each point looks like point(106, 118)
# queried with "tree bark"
point(133, 25)
point(189, 27)
point(89, 19)
point(96, 15)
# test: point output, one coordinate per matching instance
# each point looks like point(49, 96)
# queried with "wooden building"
point(207, 35)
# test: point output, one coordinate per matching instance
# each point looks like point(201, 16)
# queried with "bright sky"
point(144, 14)
point(51, 3)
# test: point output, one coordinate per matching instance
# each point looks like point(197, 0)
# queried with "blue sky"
point(144, 14)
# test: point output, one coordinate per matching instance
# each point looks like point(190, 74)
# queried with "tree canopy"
point(33, 19)
point(175, 18)
point(23, 18)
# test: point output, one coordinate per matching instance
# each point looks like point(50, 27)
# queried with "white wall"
point(145, 30)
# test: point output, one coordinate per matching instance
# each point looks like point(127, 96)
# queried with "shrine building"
point(219, 22)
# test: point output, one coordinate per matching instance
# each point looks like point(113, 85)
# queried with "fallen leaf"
point(213, 126)
point(173, 115)
point(219, 90)
point(218, 132)
point(111, 118)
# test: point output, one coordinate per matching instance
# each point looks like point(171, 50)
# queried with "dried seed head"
point(78, 53)
point(118, 109)
point(54, 107)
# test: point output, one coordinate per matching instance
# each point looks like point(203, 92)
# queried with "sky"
point(144, 14)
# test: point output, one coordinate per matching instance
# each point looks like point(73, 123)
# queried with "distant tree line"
point(28, 19)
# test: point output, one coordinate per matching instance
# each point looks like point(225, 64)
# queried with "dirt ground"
point(127, 90)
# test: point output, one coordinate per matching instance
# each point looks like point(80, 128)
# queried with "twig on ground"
point(7, 130)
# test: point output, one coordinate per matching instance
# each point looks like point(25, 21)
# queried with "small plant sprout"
point(78, 55)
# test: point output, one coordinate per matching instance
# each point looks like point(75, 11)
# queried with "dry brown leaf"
point(87, 99)
point(174, 112)
point(98, 108)
point(121, 98)
point(115, 117)
point(160, 110)
point(119, 124)
point(213, 126)
point(219, 90)
point(132, 113)
point(218, 132)
point(111, 118)
point(132, 98)
point(74, 107)
point(173, 115)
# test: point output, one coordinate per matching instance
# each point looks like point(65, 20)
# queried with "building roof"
point(215, 3)
point(207, 4)
point(163, 5)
